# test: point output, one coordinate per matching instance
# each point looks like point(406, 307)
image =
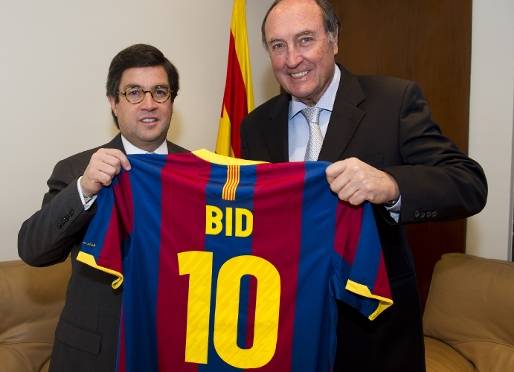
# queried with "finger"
point(93, 180)
point(98, 166)
point(120, 157)
point(104, 165)
point(110, 157)
point(335, 169)
point(342, 183)
point(347, 191)
point(358, 197)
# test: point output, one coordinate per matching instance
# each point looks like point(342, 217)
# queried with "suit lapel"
point(345, 118)
point(116, 143)
point(275, 130)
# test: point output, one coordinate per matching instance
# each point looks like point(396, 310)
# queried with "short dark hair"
point(138, 55)
point(330, 20)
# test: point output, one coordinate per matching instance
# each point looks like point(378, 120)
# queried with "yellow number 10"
point(198, 265)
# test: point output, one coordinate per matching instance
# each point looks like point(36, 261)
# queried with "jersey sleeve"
point(109, 230)
point(360, 277)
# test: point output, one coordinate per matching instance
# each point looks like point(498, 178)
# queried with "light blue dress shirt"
point(298, 128)
point(297, 124)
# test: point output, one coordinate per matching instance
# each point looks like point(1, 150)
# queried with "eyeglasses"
point(160, 94)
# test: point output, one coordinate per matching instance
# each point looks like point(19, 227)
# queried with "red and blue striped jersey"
point(232, 265)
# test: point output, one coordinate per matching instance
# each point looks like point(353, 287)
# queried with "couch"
point(469, 315)
point(468, 319)
point(31, 300)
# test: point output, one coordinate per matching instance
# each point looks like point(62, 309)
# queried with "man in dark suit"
point(386, 150)
point(141, 87)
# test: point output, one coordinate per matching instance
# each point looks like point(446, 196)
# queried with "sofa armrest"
point(470, 307)
point(31, 302)
point(25, 356)
point(441, 357)
point(45, 366)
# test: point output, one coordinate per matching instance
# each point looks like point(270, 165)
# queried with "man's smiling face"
point(302, 57)
point(143, 124)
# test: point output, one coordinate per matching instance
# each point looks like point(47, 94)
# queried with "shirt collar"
point(130, 149)
point(326, 101)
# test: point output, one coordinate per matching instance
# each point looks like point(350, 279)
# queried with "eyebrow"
point(299, 34)
point(303, 33)
point(140, 86)
point(274, 41)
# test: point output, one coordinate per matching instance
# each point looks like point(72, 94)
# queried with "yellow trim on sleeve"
point(383, 302)
point(89, 259)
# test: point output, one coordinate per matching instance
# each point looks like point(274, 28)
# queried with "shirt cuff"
point(394, 209)
point(87, 201)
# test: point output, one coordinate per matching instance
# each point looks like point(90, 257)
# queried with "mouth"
point(149, 120)
point(299, 75)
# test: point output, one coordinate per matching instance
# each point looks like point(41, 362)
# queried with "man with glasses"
point(141, 87)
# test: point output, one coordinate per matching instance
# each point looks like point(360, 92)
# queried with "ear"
point(336, 43)
point(112, 102)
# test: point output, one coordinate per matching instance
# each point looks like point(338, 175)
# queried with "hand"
point(103, 166)
point(355, 182)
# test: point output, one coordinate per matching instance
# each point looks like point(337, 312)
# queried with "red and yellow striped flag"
point(238, 97)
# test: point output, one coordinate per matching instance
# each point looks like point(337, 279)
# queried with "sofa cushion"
point(470, 306)
point(32, 300)
point(442, 357)
point(25, 356)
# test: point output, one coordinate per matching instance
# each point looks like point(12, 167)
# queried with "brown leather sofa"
point(31, 300)
point(468, 319)
point(469, 316)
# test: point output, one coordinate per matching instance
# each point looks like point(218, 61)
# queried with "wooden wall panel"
point(427, 41)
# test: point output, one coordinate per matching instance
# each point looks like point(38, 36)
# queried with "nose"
point(293, 57)
point(148, 103)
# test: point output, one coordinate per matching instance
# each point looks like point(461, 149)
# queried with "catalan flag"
point(238, 97)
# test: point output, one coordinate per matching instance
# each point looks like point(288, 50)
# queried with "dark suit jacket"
point(86, 337)
point(386, 123)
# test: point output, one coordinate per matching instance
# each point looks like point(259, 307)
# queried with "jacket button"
point(59, 225)
point(434, 213)
point(422, 214)
point(416, 214)
point(428, 214)
point(70, 212)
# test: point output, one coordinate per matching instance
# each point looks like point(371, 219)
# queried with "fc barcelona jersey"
point(231, 265)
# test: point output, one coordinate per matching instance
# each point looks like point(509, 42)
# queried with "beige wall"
point(489, 234)
point(53, 65)
point(54, 61)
